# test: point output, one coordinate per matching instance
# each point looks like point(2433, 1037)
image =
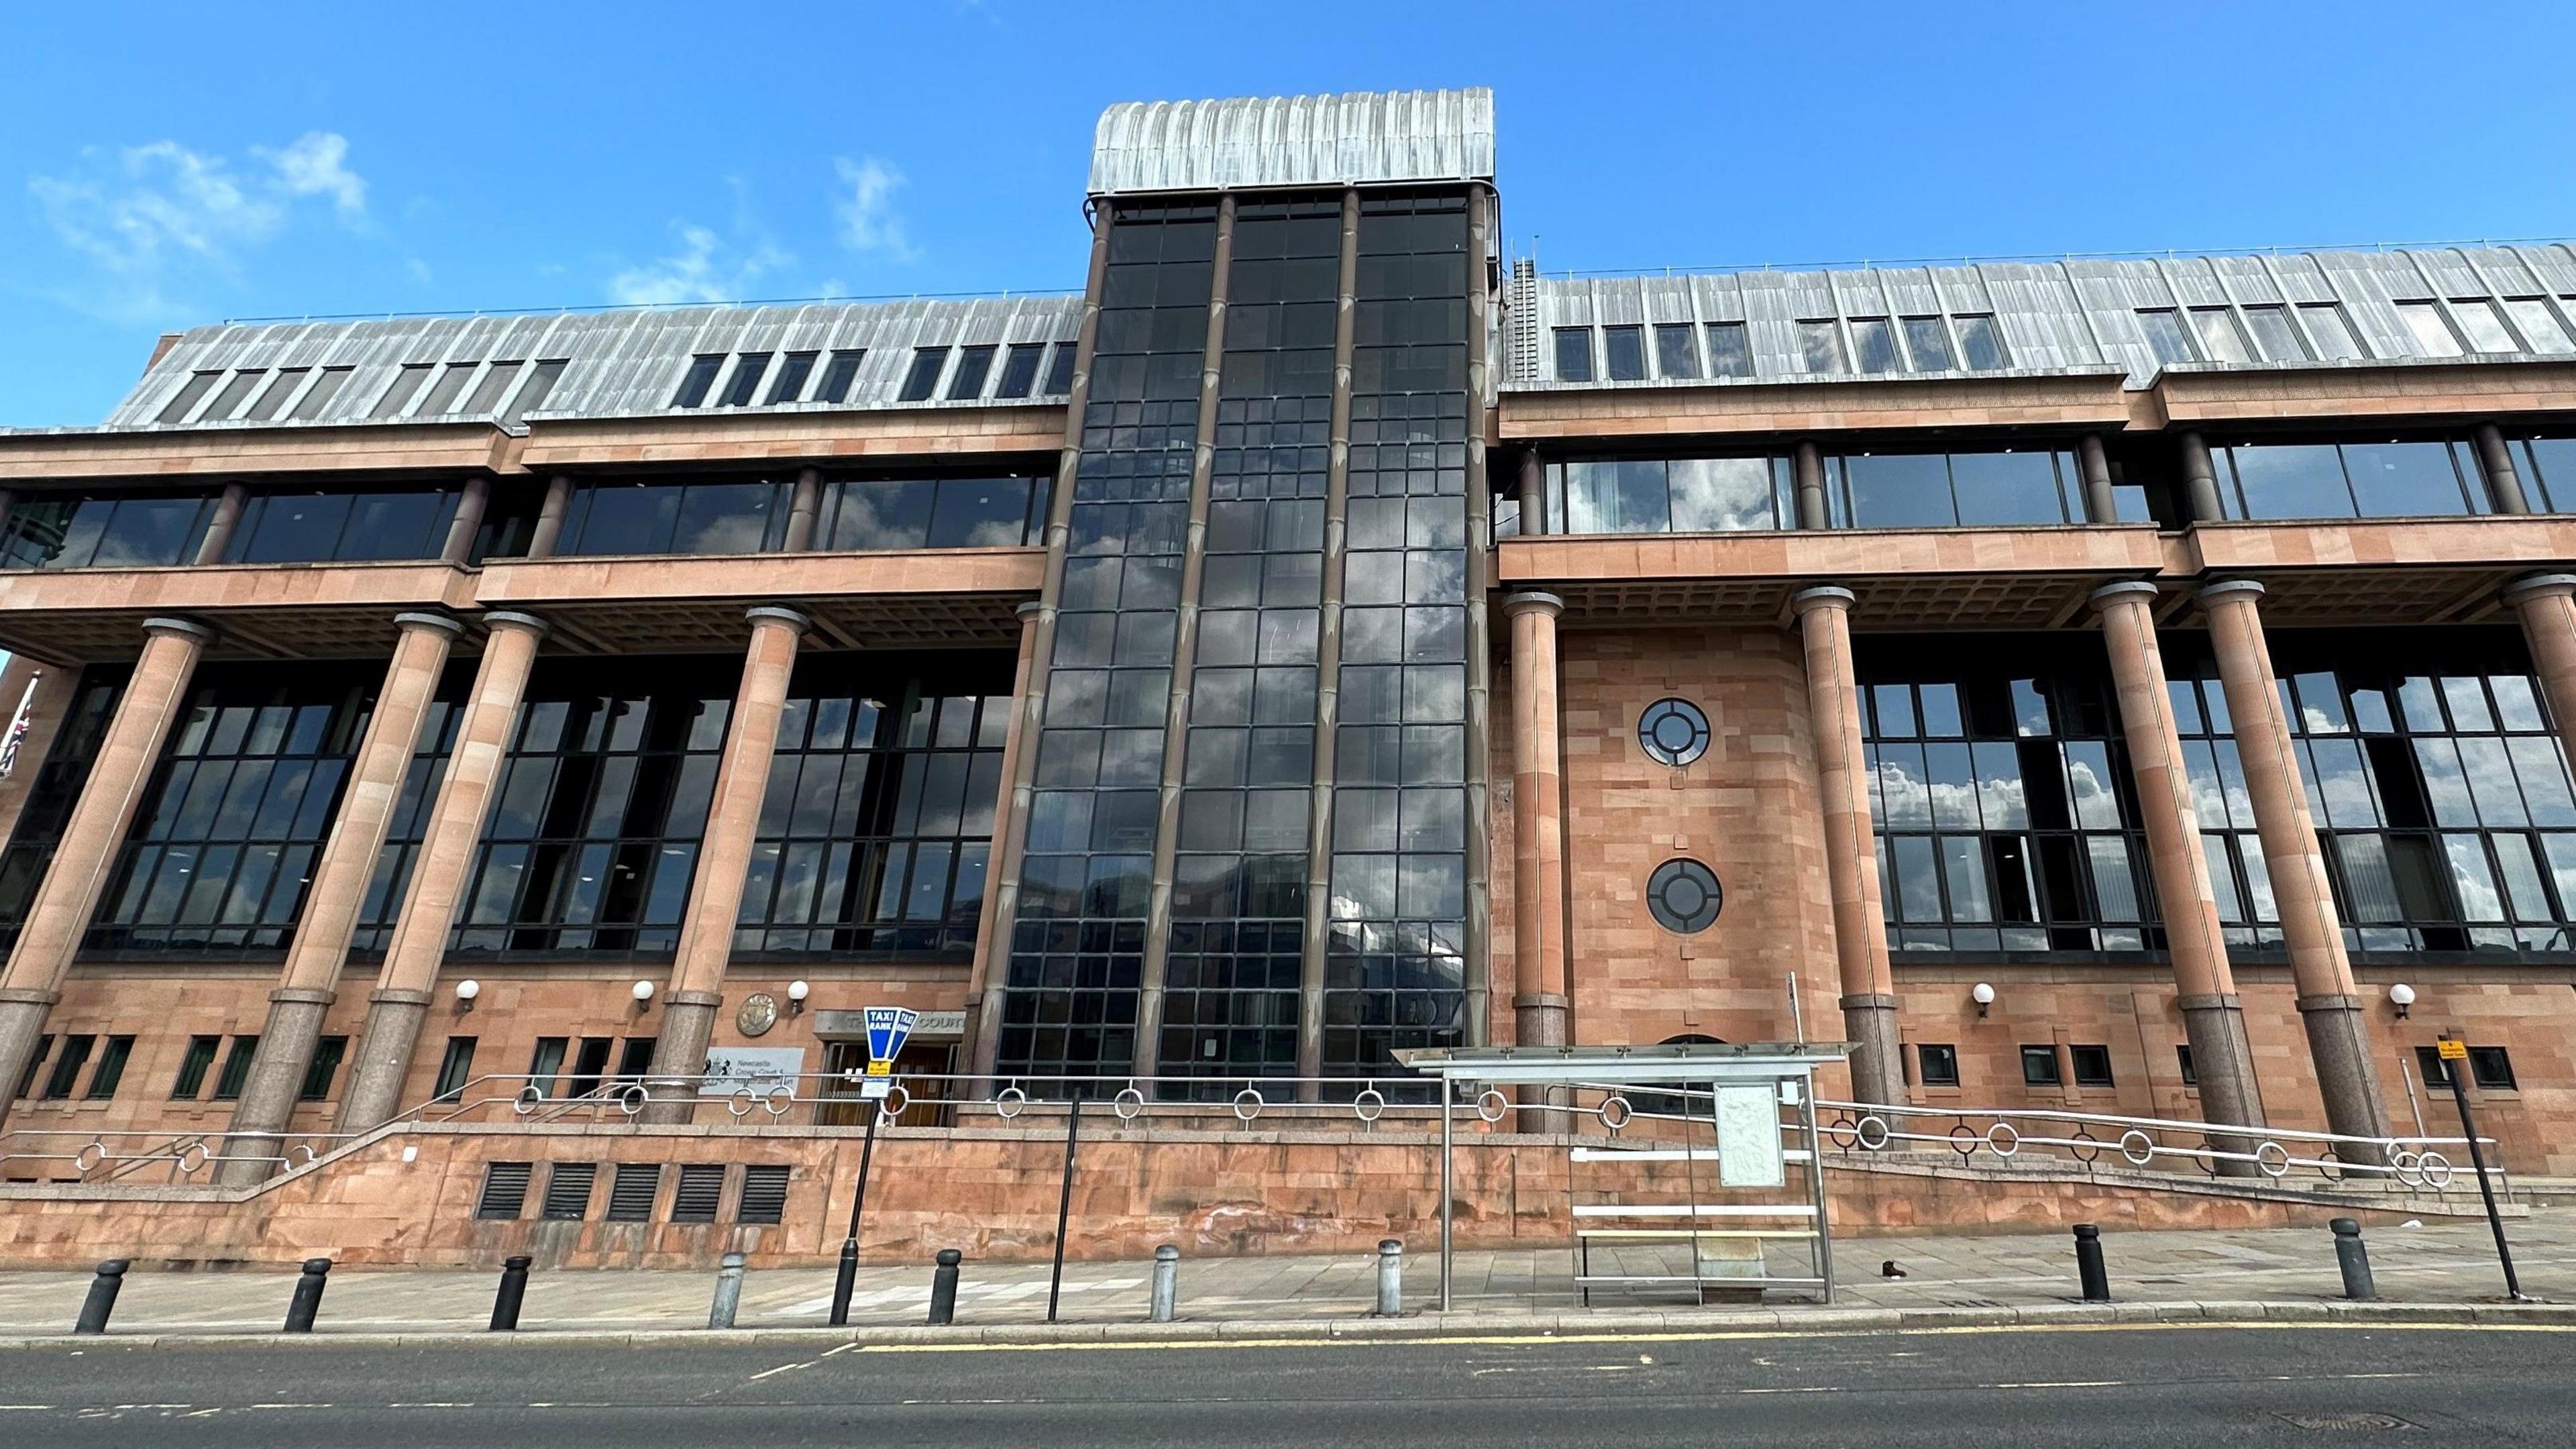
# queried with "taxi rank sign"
point(888, 1028)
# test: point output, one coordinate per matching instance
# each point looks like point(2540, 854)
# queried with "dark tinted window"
point(192, 1068)
point(694, 384)
point(837, 377)
point(696, 518)
point(406, 386)
point(185, 400)
point(2392, 479)
point(1060, 370)
point(1730, 354)
point(792, 373)
point(745, 383)
point(1940, 1064)
point(1574, 354)
point(2092, 1065)
point(103, 530)
point(1020, 369)
point(111, 1069)
point(923, 379)
point(2039, 1067)
point(973, 366)
point(1626, 347)
point(1676, 354)
point(865, 515)
point(304, 527)
point(324, 389)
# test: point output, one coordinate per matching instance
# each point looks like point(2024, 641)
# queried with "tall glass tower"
point(1247, 836)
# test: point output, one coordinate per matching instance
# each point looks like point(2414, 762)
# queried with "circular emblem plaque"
point(758, 1014)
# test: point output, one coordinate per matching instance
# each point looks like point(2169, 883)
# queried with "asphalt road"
point(1984, 1388)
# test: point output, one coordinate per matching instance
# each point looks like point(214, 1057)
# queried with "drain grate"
point(2350, 1419)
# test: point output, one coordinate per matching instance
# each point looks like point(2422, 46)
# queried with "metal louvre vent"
point(630, 1197)
point(764, 1195)
point(505, 1190)
point(568, 1192)
point(701, 1188)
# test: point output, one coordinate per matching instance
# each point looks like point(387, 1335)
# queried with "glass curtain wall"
point(594, 830)
point(1078, 940)
point(2006, 818)
point(409, 823)
point(2434, 780)
point(55, 790)
point(224, 840)
point(1395, 970)
point(1232, 976)
point(877, 827)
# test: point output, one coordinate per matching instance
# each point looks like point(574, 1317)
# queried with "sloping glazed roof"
point(1357, 138)
point(615, 364)
point(2085, 314)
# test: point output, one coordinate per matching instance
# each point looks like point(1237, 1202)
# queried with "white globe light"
point(2402, 994)
point(798, 990)
point(468, 989)
point(1982, 994)
point(643, 991)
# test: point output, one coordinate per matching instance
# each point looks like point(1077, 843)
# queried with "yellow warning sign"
point(2452, 1051)
point(880, 1069)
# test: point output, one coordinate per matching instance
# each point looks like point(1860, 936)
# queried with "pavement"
point(2440, 1269)
point(2159, 1386)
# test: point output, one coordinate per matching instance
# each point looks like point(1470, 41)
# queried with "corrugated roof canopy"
point(2140, 315)
point(1354, 139)
point(611, 364)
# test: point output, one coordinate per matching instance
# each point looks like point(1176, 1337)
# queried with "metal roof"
point(616, 364)
point(1357, 138)
point(2080, 314)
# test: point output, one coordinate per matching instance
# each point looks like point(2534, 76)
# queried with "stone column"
point(2504, 481)
point(2200, 480)
point(1533, 495)
point(548, 533)
point(2100, 506)
point(310, 981)
point(801, 508)
point(1807, 470)
point(220, 528)
point(724, 857)
point(2204, 984)
point(983, 996)
point(400, 1001)
point(59, 915)
point(459, 545)
point(1539, 987)
point(1851, 847)
point(2546, 604)
point(2329, 1003)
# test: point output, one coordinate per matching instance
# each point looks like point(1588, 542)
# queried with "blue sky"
point(172, 165)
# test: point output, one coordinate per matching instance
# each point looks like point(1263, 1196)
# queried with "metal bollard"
point(943, 1287)
point(1167, 1284)
point(2088, 1263)
point(512, 1293)
point(308, 1296)
point(728, 1292)
point(2354, 1259)
point(1390, 1278)
point(102, 1296)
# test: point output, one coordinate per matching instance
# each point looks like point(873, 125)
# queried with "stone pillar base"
point(2223, 1061)
point(250, 1154)
point(671, 1088)
point(22, 1025)
point(384, 1059)
point(2339, 1044)
point(1877, 1061)
point(1539, 1019)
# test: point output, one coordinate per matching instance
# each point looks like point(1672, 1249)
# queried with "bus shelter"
point(1743, 1087)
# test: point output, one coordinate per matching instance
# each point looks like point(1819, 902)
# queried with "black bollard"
point(513, 1292)
point(2088, 1263)
point(102, 1296)
point(943, 1287)
point(2354, 1260)
point(308, 1296)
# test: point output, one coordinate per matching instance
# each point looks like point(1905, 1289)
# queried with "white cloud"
point(316, 164)
point(705, 269)
point(147, 217)
point(868, 219)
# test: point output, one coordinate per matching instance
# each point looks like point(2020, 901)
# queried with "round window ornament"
point(1684, 896)
point(1673, 732)
point(758, 1013)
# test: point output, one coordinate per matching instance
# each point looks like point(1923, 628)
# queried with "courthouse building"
point(2133, 684)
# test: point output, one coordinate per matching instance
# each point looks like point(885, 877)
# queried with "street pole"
point(1445, 1148)
point(2456, 1069)
point(1064, 1203)
point(847, 1280)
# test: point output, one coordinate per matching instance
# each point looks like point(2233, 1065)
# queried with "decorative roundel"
point(1684, 895)
point(1673, 731)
